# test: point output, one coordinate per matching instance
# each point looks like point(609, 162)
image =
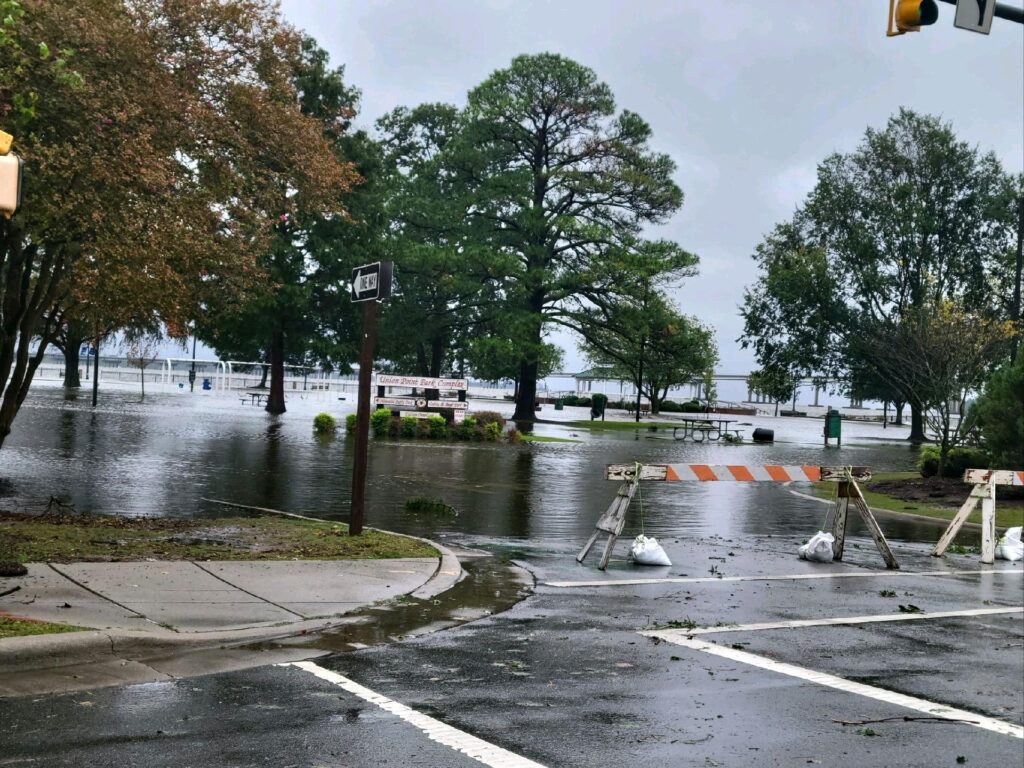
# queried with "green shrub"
point(380, 422)
point(691, 407)
point(961, 459)
point(407, 426)
point(323, 423)
point(1000, 411)
point(464, 431)
point(670, 406)
point(437, 427)
point(928, 461)
point(570, 400)
point(514, 436)
point(492, 431)
point(957, 461)
point(483, 418)
point(350, 423)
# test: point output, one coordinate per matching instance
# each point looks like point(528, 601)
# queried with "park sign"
point(371, 282)
point(420, 382)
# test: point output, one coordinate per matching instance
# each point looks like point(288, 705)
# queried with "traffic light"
point(911, 15)
point(10, 177)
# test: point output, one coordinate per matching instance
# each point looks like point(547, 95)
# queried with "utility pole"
point(1015, 344)
point(192, 371)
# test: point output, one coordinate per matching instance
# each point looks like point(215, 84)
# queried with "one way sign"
point(372, 282)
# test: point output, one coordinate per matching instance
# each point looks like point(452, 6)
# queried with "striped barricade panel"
point(994, 476)
point(768, 473)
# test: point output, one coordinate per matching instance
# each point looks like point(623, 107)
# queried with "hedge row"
point(485, 426)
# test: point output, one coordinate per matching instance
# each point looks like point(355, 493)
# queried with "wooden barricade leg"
point(873, 527)
point(988, 524)
point(978, 492)
point(611, 522)
point(620, 522)
point(839, 515)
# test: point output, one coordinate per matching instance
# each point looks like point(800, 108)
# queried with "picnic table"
point(703, 429)
point(255, 398)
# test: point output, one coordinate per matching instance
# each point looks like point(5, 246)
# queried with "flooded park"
point(174, 454)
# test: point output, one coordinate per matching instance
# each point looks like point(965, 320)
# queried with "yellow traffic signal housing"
point(911, 15)
point(10, 184)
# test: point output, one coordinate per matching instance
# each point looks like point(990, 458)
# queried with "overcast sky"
point(747, 96)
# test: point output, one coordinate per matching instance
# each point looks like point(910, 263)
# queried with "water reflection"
point(163, 456)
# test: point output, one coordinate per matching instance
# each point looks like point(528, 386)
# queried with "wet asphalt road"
point(564, 678)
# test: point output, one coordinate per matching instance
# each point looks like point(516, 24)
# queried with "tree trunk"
point(917, 434)
point(526, 397)
point(897, 407)
point(776, 407)
point(72, 360)
point(264, 369)
point(275, 402)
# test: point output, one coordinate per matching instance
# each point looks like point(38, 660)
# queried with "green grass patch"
point(545, 439)
point(1008, 512)
point(70, 538)
point(624, 425)
point(10, 627)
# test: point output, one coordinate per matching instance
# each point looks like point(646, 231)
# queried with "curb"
point(36, 652)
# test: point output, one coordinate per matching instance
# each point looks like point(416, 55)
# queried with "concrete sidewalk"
point(164, 609)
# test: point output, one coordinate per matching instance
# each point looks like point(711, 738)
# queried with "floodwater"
point(163, 456)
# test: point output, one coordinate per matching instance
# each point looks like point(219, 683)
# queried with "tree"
point(149, 194)
point(777, 384)
point(1000, 411)
point(141, 347)
point(441, 284)
point(285, 318)
point(496, 358)
point(913, 216)
point(942, 353)
point(651, 344)
point(556, 189)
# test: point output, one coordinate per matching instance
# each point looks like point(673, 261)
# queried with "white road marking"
point(821, 678)
point(797, 623)
point(793, 577)
point(442, 733)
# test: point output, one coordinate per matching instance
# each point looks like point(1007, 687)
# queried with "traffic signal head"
point(10, 184)
point(911, 15)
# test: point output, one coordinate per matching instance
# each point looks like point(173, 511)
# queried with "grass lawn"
point(621, 424)
point(69, 538)
point(546, 439)
point(1009, 512)
point(10, 627)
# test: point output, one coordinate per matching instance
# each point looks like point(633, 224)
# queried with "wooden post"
point(988, 523)
point(839, 521)
point(355, 520)
point(873, 528)
point(977, 493)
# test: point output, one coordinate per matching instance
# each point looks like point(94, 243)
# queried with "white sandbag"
point(1009, 546)
point(647, 551)
point(819, 548)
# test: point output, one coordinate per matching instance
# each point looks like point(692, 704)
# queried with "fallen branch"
point(905, 719)
point(9, 591)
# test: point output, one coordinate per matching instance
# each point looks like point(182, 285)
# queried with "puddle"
point(492, 585)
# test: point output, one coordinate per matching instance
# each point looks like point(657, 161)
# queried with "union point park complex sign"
point(412, 406)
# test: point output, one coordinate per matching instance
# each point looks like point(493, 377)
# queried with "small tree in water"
point(141, 347)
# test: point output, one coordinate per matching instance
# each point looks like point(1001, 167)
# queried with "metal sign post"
point(370, 283)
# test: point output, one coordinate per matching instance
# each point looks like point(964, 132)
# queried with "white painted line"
point(442, 733)
point(797, 623)
point(821, 678)
point(788, 577)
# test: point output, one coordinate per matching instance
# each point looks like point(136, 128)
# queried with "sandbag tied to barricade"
point(818, 548)
point(647, 551)
point(630, 475)
point(985, 482)
point(1009, 546)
